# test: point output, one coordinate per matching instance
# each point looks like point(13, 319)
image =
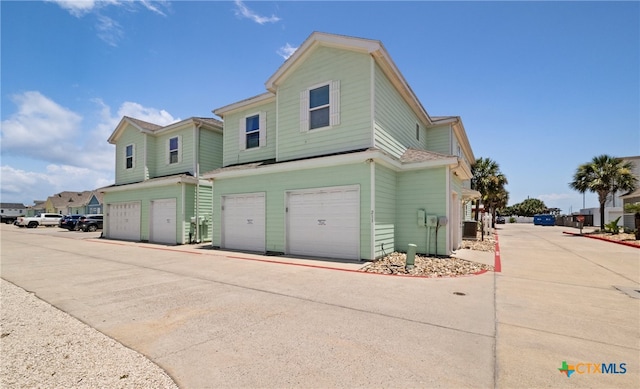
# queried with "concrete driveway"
point(213, 320)
point(557, 301)
point(216, 319)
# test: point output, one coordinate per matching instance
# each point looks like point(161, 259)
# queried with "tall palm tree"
point(604, 175)
point(487, 179)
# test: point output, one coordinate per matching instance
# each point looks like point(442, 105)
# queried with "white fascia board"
point(335, 160)
point(153, 183)
point(244, 104)
point(113, 139)
point(461, 134)
point(323, 39)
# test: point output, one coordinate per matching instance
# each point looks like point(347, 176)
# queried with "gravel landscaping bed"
point(43, 347)
point(425, 266)
point(623, 237)
point(394, 263)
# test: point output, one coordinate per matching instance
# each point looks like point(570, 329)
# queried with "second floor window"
point(174, 150)
point(128, 157)
point(320, 106)
point(253, 131)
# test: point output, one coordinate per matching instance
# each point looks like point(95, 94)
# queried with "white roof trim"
point(153, 183)
point(244, 104)
point(334, 160)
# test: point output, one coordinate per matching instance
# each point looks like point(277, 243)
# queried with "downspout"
point(448, 205)
point(183, 184)
point(196, 141)
point(372, 206)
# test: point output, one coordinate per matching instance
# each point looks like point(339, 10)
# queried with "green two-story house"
point(158, 195)
point(339, 159)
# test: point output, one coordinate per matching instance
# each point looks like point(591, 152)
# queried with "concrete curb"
point(497, 266)
point(603, 239)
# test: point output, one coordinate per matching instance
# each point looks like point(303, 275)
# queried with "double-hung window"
point(173, 150)
point(128, 156)
point(320, 106)
point(253, 130)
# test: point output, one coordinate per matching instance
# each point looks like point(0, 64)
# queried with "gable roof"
point(150, 128)
point(12, 205)
point(374, 48)
point(70, 199)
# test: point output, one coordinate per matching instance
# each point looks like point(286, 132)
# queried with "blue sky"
point(541, 86)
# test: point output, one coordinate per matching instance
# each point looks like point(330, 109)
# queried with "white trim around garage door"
point(244, 222)
point(123, 220)
point(324, 222)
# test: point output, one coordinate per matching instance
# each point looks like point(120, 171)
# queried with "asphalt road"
point(219, 319)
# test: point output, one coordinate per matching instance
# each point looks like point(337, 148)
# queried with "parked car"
point(500, 220)
point(90, 223)
point(69, 222)
point(41, 219)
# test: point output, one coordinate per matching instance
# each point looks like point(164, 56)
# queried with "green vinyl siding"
point(232, 153)
point(395, 121)
point(385, 210)
point(424, 189)
point(130, 136)
point(185, 209)
point(152, 166)
point(210, 153)
point(275, 186)
point(439, 139)
point(161, 152)
point(326, 64)
point(204, 201)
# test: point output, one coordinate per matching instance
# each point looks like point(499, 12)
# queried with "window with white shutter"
point(320, 106)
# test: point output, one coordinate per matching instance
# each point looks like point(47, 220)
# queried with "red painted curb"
point(603, 239)
point(497, 264)
point(162, 248)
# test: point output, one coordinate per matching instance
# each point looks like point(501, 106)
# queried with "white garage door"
point(324, 222)
point(124, 221)
point(162, 228)
point(243, 222)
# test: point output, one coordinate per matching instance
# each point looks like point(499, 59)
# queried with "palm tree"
point(604, 175)
point(497, 199)
point(487, 179)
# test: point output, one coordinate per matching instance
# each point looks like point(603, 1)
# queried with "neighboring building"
point(68, 203)
point(10, 211)
point(631, 197)
point(94, 206)
point(158, 195)
point(339, 159)
point(614, 206)
point(38, 206)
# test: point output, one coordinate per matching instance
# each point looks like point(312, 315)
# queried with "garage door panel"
point(163, 221)
point(243, 222)
point(324, 222)
point(124, 221)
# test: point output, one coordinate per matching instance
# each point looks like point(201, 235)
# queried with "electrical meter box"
point(432, 221)
point(442, 220)
point(421, 217)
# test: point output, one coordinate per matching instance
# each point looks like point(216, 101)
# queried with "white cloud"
point(286, 51)
point(244, 11)
point(151, 115)
point(22, 186)
point(40, 129)
point(76, 8)
point(76, 158)
point(109, 30)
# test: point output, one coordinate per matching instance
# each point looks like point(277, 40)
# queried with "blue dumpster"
point(544, 220)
